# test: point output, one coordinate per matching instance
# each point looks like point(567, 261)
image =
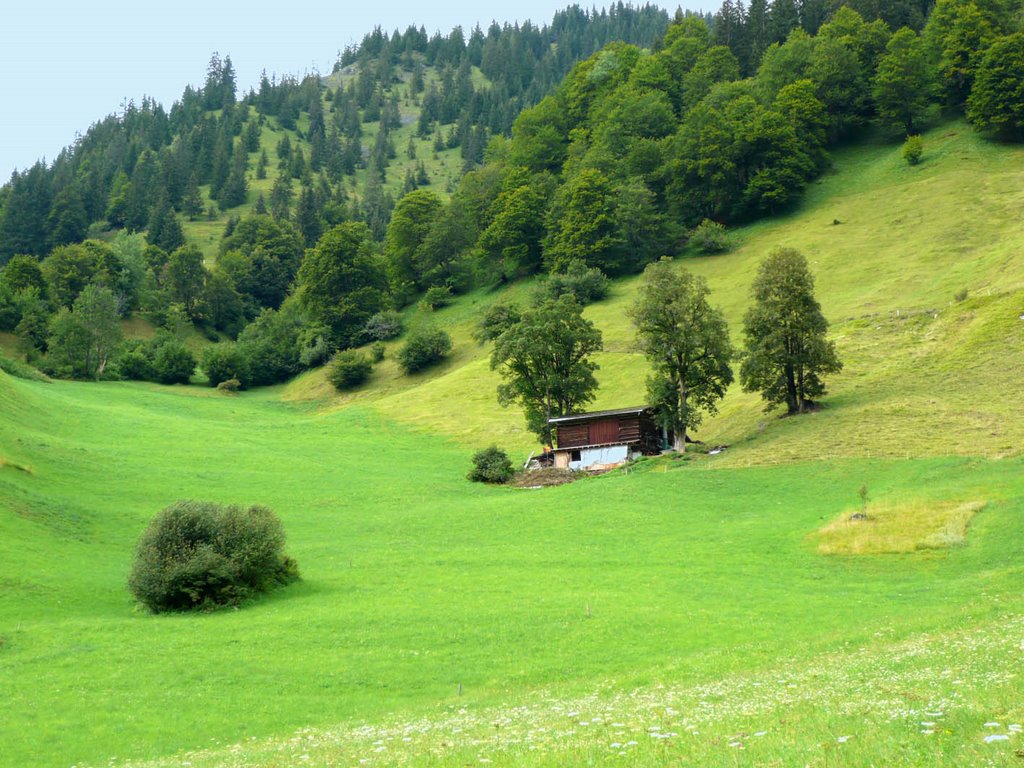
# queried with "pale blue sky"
point(66, 65)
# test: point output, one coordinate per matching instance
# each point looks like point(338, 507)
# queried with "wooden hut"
point(605, 439)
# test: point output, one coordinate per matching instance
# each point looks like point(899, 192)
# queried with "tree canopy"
point(544, 360)
point(687, 342)
point(787, 353)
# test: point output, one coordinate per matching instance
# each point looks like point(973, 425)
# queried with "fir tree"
point(192, 202)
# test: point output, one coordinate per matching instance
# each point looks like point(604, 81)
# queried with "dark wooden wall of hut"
point(625, 430)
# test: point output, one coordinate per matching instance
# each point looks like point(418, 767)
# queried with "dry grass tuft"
point(899, 528)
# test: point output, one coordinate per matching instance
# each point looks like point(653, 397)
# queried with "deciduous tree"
point(787, 352)
point(545, 362)
point(340, 284)
point(687, 342)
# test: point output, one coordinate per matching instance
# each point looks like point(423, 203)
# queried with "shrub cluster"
point(383, 326)
point(223, 362)
point(163, 359)
point(913, 148)
point(710, 237)
point(202, 555)
point(586, 284)
point(491, 465)
point(423, 348)
point(349, 369)
point(438, 296)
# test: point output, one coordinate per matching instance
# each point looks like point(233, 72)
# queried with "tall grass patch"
point(899, 528)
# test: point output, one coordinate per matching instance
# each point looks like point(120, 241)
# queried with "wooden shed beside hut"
point(605, 439)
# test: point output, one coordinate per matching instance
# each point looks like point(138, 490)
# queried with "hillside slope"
point(924, 374)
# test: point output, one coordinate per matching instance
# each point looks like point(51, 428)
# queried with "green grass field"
point(677, 613)
point(666, 579)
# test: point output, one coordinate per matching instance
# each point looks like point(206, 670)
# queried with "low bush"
point(230, 386)
point(135, 364)
point(913, 148)
point(710, 237)
point(349, 369)
point(383, 326)
point(586, 284)
point(225, 361)
point(491, 465)
point(437, 297)
point(377, 351)
point(202, 555)
point(173, 363)
point(424, 347)
point(20, 370)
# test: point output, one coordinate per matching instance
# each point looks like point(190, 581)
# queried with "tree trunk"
point(800, 390)
point(679, 442)
point(792, 401)
point(548, 437)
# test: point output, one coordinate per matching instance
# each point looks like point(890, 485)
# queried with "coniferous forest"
point(601, 141)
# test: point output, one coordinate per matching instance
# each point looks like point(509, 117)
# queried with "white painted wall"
point(610, 454)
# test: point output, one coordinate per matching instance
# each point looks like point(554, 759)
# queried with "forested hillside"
point(419, 168)
point(129, 169)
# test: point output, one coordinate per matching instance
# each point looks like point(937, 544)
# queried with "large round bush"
point(384, 325)
point(173, 364)
point(203, 555)
point(225, 361)
point(491, 465)
point(349, 369)
point(423, 348)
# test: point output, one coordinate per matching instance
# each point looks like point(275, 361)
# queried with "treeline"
point(636, 154)
point(637, 148)
point(140, 168)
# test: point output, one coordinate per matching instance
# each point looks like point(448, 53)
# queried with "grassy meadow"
point(631, 588)
point(717, 610)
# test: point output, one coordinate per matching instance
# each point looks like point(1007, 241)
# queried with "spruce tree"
point(192, 202)
point(281, 198)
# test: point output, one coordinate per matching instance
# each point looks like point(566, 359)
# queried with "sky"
point(66, 65)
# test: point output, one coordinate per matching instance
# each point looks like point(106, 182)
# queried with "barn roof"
point(581, 418)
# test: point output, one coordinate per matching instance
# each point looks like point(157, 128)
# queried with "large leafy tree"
point(687, 342)
point(513, 238)
point(70, 268)
point(545, 362)
point(414, 215)
point(83, 339)
point(787, 352)
point(583, 225)
point(340, 283)
point(21, 273)
point(261, 256)
point(904, 82)
point(958, 34)
point(185, 277)
point(996, 103)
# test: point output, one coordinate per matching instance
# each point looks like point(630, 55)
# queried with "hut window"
point(574, 456)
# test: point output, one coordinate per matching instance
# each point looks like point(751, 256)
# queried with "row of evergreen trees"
point(127, 166)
